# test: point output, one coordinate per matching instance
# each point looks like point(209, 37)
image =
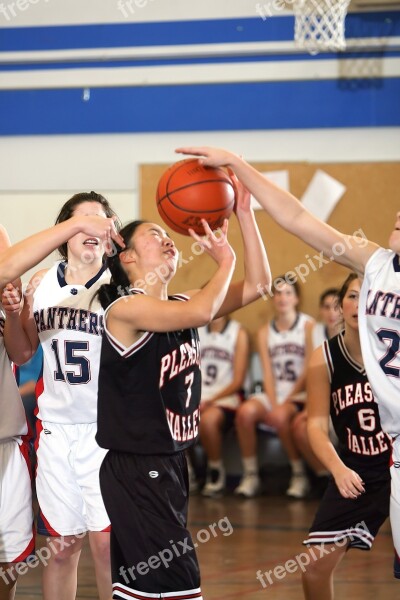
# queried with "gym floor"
point(238, 538)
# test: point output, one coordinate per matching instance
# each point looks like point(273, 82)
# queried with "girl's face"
point(285, 298)
point(350, 304)
point(154, 251)
point(81, 246)
point(394, 240)
point(329, 311)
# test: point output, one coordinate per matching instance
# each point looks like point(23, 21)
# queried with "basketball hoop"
point(319, 24)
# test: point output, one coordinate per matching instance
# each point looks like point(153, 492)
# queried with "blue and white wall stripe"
point(236, 73)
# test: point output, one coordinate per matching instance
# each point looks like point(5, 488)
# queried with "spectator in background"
point(329, 325)
point(330, 320)
point(284, 350)
point(224, 347)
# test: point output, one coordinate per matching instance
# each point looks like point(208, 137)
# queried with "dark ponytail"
point(119, 284)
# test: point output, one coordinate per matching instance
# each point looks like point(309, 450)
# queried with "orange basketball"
point(188, 192)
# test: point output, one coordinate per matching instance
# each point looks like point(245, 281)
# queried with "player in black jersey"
point(356, 501)
point(149, 395)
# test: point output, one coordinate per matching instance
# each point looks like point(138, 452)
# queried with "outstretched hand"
point(210, 157)
point(215, 243)
point(242, 195)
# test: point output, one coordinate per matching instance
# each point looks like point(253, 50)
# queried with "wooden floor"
point(260, 534)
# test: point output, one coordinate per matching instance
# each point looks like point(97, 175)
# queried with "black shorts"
point(356, 522)
point(146, 497)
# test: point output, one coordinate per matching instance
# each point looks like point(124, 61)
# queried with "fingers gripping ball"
point(188, 192)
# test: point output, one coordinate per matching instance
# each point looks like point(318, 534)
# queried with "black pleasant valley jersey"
point(363, 446)
point(149, 393)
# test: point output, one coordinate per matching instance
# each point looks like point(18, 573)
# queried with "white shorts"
point(67, 480)
point(265, 401)
point(395, 495)
point(16, 514)
point(231, 402)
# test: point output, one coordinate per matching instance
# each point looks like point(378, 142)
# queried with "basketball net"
point(319, 24)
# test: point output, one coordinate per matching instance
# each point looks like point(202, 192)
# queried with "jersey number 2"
point(394, 342)
point(81, 363)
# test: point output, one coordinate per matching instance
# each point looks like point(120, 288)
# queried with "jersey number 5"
point(81, 374)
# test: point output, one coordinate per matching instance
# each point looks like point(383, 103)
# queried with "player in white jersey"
point(224, 347)
point(16, 514)
point(60, 315)
point(379, 312)
point(17, 542)
point(283, 352)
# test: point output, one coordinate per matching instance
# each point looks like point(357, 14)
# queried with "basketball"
point(188, 192)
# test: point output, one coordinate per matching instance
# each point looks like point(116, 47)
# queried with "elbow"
point(263, 289)
point(204, 317)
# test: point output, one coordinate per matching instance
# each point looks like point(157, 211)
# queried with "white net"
point(319, 24)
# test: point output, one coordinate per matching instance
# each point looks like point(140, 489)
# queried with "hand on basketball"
point(210, 157)
point(215, 243)
point(349, 483)
point(242, 195)
point(11, 300)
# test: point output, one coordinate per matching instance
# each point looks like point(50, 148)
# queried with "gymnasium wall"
point(365, 211)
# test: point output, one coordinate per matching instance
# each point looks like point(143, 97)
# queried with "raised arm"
point(4, 239)
point(348, 481)
point(289, 213)
point(257, 274)
point(129, 318)
point(24, 255)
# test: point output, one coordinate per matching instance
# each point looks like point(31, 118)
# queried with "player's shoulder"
point(317, 358)
point(304, 318)
point(37, 279)
point(378, 260)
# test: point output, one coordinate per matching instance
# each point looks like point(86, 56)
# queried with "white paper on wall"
point(281, 178)
point(322, 194)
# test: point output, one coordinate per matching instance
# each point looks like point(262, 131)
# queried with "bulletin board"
point(370, 203)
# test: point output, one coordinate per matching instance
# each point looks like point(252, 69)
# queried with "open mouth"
point(91, 242)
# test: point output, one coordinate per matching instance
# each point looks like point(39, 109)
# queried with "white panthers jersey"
point(13, 420)
point(217, 360)
point(287, 351)
point(70, 326)
point(379, 325)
